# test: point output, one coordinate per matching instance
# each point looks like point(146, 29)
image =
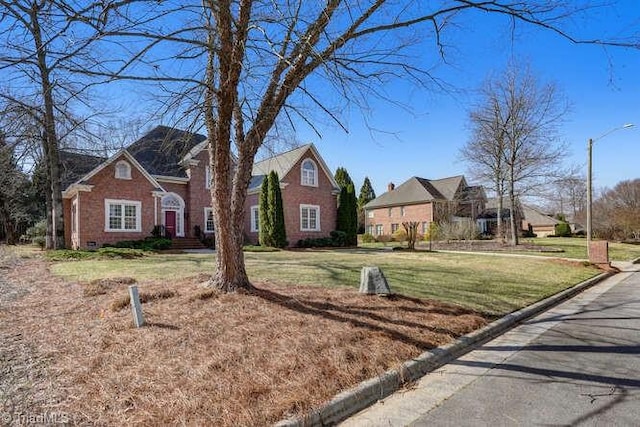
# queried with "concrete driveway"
point(576, 364)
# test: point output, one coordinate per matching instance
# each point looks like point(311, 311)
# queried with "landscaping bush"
point(104, 252)
point(36, 234)
point(367, 238)
point(529, 232)
point(126, 253)
point(209, 240)
point(400, 235)
point(563, 230)
point(338, 238)
point(69, 254)
point(432, 231)
point(458, 230)
point(148, 244)
point(383, 238)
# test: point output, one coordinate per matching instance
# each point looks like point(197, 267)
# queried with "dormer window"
point(309, 173)
point(123, 170)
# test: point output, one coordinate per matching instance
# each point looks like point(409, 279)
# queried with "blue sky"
point(601, 84)
point(391, 143)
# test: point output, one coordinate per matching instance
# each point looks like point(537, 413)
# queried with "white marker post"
point(136, 307)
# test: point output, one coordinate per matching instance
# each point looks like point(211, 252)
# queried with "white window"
point(255, 219)
point(309, 173)
point(425, 227)
point(401, 210)
point(309, 218)
point(122, 215)
point(123, 170)
point(209, 225)
point(379, 229)
point(394, 228)
point(370, 214)
point(370, 230)
point(390, 211)
point(207, 177)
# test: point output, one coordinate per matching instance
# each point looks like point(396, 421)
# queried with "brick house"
point(163, 179)
point(424, 201)
point(538, 222)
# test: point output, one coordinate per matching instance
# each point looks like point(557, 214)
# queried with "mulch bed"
point(205, 358)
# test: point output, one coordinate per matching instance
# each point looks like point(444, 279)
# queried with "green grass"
point(493, 285)
point(576, 248)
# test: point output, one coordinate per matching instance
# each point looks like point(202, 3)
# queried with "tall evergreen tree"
point(276, 211)
point(347, 214)
point(342, 177)
point(352, 215)
point(272, 227)
point(366, 195)
point(16, 195)
point(266, 225)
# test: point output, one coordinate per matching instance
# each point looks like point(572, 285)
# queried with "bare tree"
point(484, 152)
point(515, 136)
point(567, 195)
point(41, 41)
point(617, 211)
point(237, 66)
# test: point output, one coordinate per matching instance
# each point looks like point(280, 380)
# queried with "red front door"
point(170, 222)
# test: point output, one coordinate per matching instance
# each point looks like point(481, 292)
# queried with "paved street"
point(577, 364)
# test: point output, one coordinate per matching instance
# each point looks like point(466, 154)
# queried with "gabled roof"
point(419, 190)
point(284, 162)
point(161, 150)
point(537, 218)
point(449, 187)
point(76, 165)
point(109, 161)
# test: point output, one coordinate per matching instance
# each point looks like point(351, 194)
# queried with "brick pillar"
point(599, 252)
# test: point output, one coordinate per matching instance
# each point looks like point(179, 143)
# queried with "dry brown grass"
point(103, 286)
point(208, 358)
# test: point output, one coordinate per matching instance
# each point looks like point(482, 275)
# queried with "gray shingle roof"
point(281, 163)
point(161, 150)
point(76, 165)
point(537, 218)
point(419, 190)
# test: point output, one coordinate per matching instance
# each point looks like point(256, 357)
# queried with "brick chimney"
point(391, 186)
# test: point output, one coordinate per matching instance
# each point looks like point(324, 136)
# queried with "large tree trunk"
point(51, 140)
point(7, 221)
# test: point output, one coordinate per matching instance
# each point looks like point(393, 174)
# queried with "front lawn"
point(207, 358)
point(576, 248)
point(494, 286)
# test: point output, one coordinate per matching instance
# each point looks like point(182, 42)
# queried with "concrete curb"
point(370, 391)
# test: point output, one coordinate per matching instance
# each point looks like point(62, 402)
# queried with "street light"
point(589, 182)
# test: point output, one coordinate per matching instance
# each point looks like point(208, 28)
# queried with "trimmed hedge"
point(338, 239)
point(147, 244)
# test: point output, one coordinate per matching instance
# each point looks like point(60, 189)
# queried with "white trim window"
point(255, 219)
point(309, 218)
point(122, 215)
point(207, 177)
point(123, 170)
point(209, 224)
point(309, 173)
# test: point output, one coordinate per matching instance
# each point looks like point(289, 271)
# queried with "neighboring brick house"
point(163, 179)
point(424, 201)
point(537, 222)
